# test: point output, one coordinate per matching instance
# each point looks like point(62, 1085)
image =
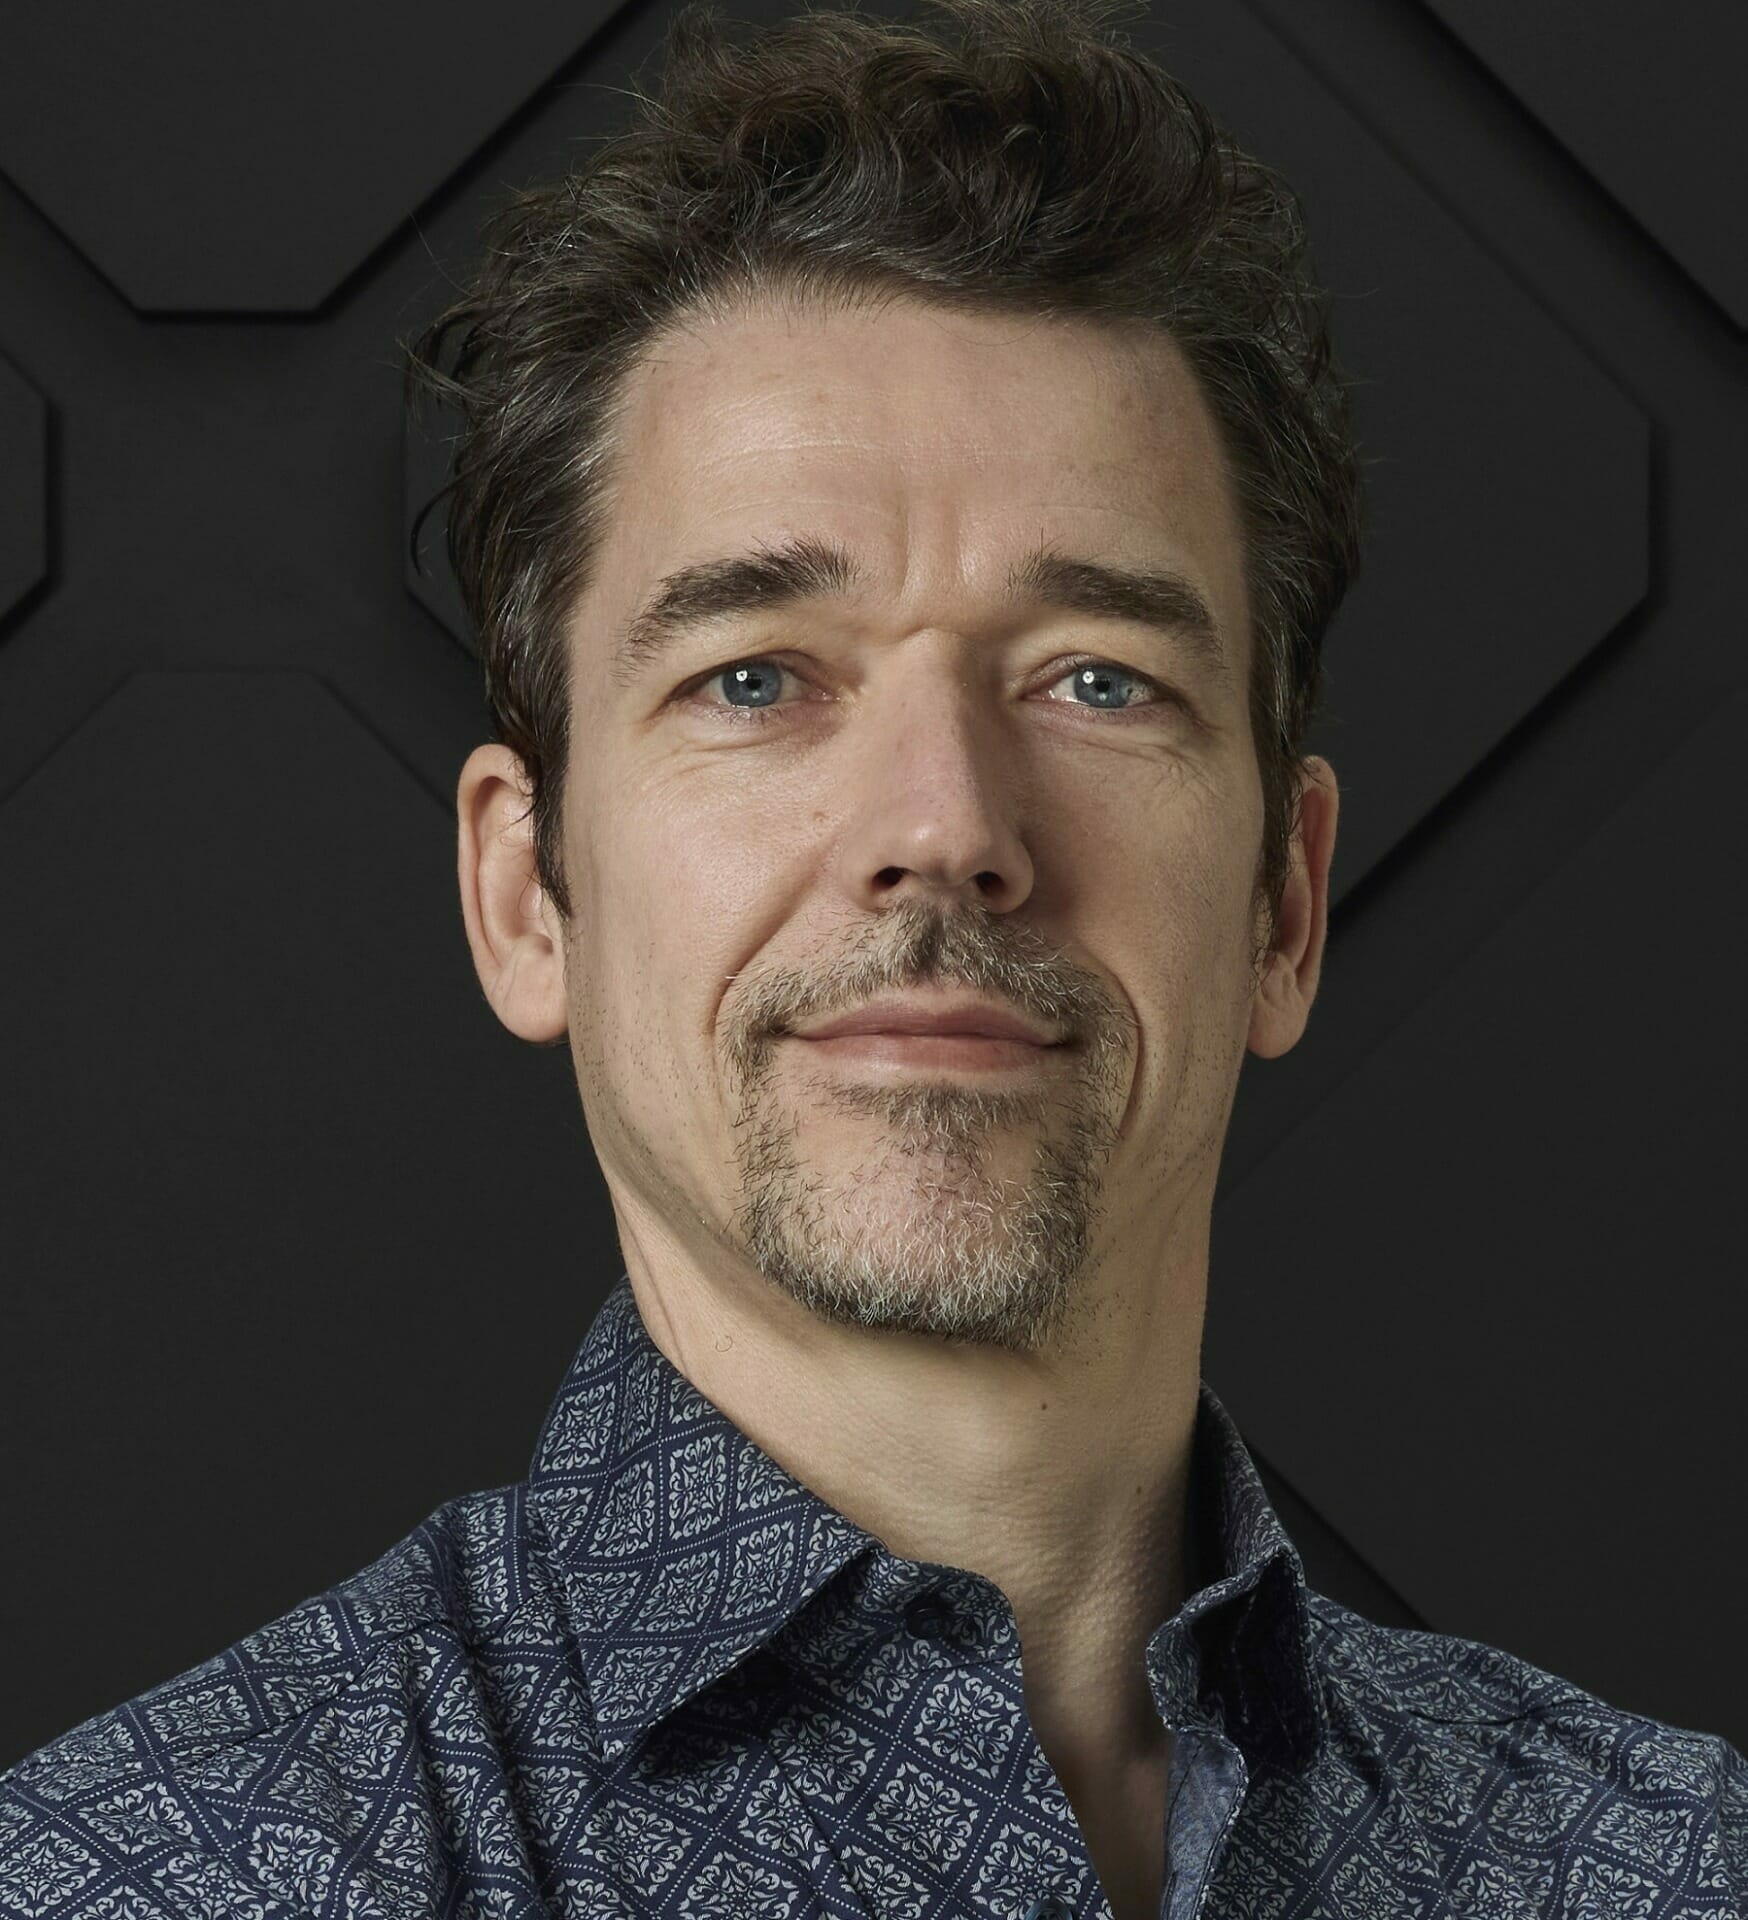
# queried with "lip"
point(966, 1019)
point(906, 1052)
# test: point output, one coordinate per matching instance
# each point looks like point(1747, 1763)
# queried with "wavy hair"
point(1003, 155)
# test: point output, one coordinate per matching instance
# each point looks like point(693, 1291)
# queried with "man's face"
point(911, 789)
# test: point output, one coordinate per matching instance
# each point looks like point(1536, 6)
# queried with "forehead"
point(936, 444)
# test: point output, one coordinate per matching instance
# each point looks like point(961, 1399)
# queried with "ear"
point(1282, 1004)
point(513, 928)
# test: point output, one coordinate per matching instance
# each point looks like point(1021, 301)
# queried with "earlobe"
point(510, 923)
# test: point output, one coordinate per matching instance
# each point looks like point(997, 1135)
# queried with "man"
point(904, 490)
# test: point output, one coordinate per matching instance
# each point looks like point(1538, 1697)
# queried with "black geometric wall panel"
point(246, 159)
point(236, 981)
point(23, 487)
point(1649, 99)
point(1475, 411)
point(1526, 1410)
point(298, 1241)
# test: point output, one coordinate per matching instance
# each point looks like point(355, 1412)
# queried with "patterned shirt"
point(660, 1677)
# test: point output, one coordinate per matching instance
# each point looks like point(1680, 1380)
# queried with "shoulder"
point(225, 1789)
point(1510, 1773)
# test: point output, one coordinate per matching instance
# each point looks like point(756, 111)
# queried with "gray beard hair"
point(974, 1258)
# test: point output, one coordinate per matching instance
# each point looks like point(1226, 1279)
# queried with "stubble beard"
point(921, 1236)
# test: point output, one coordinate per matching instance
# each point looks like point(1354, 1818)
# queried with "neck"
point(1061, 1476)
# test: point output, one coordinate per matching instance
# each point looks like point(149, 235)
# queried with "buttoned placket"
point(1209, 1779)
point(1195, 1842)
point(932, 1616)
point(946, 1610)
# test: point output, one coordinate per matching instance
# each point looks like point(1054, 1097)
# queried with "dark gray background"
point(298, 1242)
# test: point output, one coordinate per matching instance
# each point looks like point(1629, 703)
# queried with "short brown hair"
point(1008, 155)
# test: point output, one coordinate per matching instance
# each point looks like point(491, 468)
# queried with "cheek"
point(677, 872)
point(1185, 919)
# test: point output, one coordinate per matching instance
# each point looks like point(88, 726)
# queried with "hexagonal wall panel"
point(1649, 100)
point(1508, 475)
point(246, 159)
point(23, 487)
point(1448, 1305)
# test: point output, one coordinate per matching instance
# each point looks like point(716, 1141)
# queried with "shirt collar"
point(1238, 1657)
point(680, 1547)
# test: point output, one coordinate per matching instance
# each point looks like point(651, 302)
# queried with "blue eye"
point(759, 678)
point(1098, 681)
point(1105, 685)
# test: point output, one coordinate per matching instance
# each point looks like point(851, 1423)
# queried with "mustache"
point(917, 944)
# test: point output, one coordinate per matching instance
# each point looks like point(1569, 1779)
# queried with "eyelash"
point(761, 715)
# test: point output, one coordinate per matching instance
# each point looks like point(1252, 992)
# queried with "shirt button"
point(928, 1617)
point(1048, 1906)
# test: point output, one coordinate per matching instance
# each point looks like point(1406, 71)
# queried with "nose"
point(935, 796)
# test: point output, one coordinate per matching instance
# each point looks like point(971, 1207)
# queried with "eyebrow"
point(806, 568)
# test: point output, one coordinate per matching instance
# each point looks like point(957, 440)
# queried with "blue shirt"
point(660, 1677)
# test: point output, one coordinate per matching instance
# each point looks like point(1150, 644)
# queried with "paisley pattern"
point(660, 1677)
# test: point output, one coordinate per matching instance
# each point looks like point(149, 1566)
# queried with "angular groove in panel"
point(24, 479)
point(246, 159)
point(1331, 1564)
point(1648, 100)
point(1455, 1300)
